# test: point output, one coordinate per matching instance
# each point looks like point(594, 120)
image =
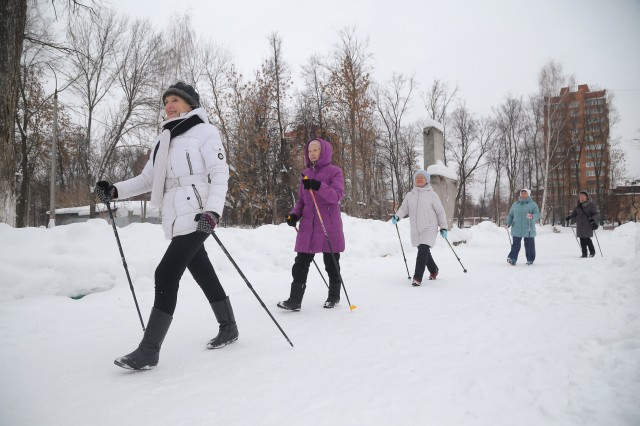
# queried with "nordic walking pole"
point(576, 237)
point(124, 263)
point(405, 258)
point(454, 253)
point(319, 271)
point(596, 235)
point(326, 236)
point(509, 235)
point(250, 286)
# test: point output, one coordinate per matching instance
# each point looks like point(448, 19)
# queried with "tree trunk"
point(12, 24)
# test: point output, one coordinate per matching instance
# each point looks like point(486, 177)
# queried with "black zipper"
point(189, 161)
point(197, 194)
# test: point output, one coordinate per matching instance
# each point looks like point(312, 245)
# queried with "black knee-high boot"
point(148, 353)
point(228, 330)
point(294, 302)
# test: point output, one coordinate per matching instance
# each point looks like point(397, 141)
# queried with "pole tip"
point(352, 307)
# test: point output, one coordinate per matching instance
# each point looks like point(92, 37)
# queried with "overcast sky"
point(488, 48)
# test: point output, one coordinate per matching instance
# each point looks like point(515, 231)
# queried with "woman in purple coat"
point(326, 182)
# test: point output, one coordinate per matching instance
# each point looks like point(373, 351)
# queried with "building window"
point(574, 192)
point(573, 104)
point(591, 173)
point(573, 113)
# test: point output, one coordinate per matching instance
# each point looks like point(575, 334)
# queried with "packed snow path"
point(555, 343)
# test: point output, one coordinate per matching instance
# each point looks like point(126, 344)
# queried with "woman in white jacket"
point(187, 175)
point(426, 213)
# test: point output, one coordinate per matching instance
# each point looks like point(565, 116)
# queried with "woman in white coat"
point(426, 213)
point(187, 175)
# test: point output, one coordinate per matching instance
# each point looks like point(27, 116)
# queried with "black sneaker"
point(329, 304)
point(583, 256)
point(289, 306)
point(592, 255)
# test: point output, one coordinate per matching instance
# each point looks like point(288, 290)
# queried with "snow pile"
point(441, 170)
point(430, 122)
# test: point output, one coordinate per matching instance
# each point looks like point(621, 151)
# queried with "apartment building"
point(576, 129)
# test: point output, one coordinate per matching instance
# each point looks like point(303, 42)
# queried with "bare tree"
point(12, 25)
point(511, 128)
point(95, 42)
point(470, 141)
point(350, 87)
point(136, 64)
point(392, 103)
point(217, 66)
point(278, 82)
point(315, 98)
point(550, 80)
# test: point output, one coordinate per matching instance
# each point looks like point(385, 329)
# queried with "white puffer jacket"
point(196, 180)
point(425, 212)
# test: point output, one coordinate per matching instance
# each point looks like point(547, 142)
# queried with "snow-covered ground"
point(556, 343)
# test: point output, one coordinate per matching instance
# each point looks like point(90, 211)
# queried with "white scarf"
point(160, 168)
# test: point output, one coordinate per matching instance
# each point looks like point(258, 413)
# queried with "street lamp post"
point(54, 145)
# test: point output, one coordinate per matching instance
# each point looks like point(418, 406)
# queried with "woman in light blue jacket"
point(522, 218)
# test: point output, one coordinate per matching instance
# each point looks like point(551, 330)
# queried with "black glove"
point(207, 222)
point(311, 184)
point(105, 191)
point(292, 219)
point(568, 218)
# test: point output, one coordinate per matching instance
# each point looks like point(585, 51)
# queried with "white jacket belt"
point(196, 180)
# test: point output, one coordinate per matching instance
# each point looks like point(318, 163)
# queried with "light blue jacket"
point(521, 226)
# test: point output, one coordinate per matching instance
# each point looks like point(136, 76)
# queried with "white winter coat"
point(425, 212)
point(196, 179)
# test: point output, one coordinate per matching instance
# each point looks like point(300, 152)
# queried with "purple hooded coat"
point(311, 238)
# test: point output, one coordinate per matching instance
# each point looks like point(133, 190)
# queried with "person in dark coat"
point(586, 219)
point(325, 181)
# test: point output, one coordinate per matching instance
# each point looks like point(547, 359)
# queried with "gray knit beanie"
point(184, 91)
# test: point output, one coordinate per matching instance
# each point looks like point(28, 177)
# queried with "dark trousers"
point(529, 248)
point(586, 243)
point(185, 252)
point(300, 268)
point(423, 259)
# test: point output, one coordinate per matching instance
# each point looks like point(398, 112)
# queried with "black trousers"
point(185, 252)
point(586, 243)
point(300, 268)
point(423, 259)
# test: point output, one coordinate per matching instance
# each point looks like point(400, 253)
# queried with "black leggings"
point(423, 259)
point(185, 252)
point(300, 268)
